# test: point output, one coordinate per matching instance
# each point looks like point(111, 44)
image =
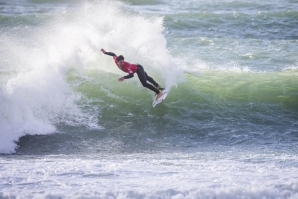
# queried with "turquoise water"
point(228, 128)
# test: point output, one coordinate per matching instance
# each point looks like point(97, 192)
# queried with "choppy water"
point(228, 128)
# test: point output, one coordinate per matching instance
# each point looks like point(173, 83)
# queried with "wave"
point(7, 21)
point(35, 95)
point(261, 24)
point(146, 2)
point(218, 191)
point(218, 106)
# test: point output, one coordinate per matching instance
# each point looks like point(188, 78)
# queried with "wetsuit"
point(136, 68)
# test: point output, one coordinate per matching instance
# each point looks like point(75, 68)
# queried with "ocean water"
point(228, 128)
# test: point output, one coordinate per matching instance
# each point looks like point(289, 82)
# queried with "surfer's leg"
point(151, 80)
point(143, 79)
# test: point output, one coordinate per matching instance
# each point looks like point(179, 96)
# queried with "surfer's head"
point(120, 59)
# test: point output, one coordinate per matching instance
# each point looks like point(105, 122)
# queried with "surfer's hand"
point(121, 79)
point(103, 50)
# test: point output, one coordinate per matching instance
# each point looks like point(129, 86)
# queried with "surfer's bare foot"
point(158, 95)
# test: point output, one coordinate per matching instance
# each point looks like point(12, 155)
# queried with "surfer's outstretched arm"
point(108, 53)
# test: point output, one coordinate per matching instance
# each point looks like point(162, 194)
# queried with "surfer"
point(135, 68)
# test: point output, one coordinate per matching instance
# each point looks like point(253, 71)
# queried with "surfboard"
point(164, 95)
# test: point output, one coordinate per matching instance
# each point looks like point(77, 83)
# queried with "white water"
point(194, 175)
